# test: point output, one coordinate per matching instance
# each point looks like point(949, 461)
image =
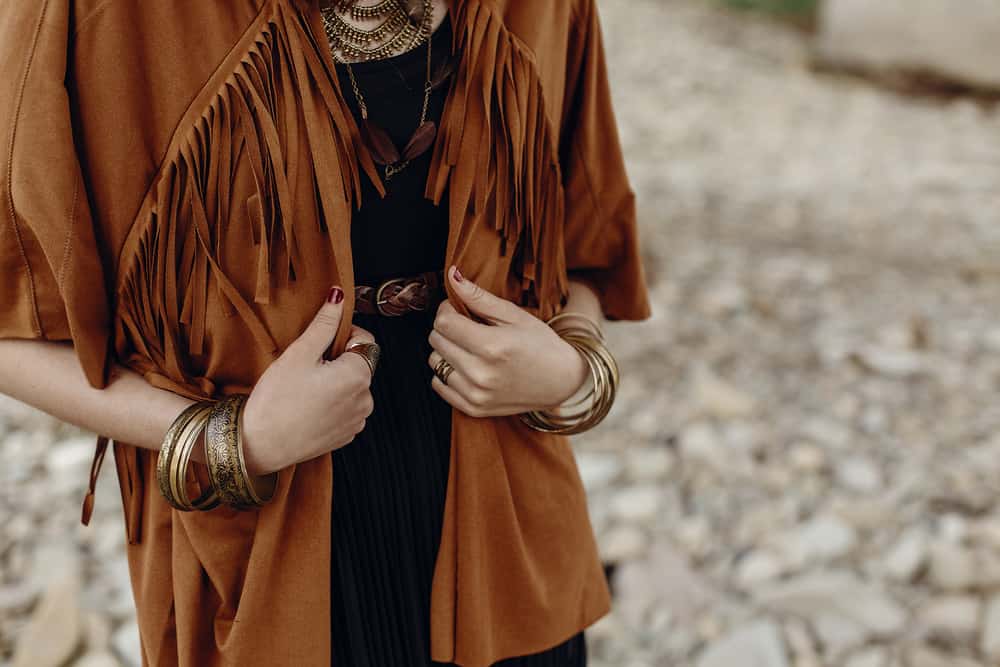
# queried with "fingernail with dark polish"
point(336, 295)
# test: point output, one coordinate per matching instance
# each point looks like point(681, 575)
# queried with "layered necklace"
point(396, 30)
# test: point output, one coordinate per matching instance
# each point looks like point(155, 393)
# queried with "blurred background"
point(802, 466)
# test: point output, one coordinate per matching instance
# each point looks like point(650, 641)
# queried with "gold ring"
point(442, 370)
point(369, 351)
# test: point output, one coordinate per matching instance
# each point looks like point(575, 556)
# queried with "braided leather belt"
point(398, 296)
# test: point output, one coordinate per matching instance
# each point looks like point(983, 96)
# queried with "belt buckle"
point(378, 295)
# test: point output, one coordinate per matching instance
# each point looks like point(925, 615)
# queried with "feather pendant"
point(421, 141)
point(379, 143)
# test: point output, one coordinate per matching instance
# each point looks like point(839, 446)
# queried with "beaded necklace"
point(395, 30)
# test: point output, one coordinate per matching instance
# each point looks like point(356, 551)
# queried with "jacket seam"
point(86, 20)
point(9, 189)
point(67, 244)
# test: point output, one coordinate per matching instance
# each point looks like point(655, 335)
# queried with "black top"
point(404, 233)
point(389, 483)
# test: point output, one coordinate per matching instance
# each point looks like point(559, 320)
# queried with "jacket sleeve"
point(52, 283)
point(601, 235)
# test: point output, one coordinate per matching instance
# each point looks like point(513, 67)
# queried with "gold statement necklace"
point(395, 31)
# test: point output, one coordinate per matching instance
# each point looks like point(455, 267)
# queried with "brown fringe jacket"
point(177, 183)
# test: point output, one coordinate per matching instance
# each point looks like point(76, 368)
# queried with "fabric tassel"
point(495, 123)
point(256, 112)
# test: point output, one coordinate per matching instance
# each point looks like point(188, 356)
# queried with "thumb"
point(481, 301)
point(320, 332)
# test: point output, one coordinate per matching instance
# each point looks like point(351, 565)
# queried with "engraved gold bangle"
point(226, 463)
point(175, 456)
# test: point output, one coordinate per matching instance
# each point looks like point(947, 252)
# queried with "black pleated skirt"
point(389, 488)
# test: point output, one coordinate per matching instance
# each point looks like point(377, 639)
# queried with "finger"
point(461, 330)
point(458, 380)
point(320, 332)
point(359, 335)
point(457, 356)
point(481, 301)
point(455, 398)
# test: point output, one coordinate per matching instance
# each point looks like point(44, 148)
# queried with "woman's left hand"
point(514, 363)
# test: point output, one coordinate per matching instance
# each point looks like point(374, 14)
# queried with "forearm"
point(47, 376)
point(583, 299)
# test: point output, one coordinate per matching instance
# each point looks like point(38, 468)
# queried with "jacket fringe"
point(255, 110)
point(496, 124)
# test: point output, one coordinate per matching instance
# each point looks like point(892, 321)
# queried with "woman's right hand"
point(303, 406)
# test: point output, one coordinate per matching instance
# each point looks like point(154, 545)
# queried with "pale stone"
point(957, 41)
point(718, 398)
point(907, 556)
point(807, 457)
point(844, 609)
point(757, 644)
point(820, 539)
point(952, 618)
point(623, 542)
point(127, 645)
point(701, 442)
point(598, 469)
point(637, 503)
point(800, 643)
point(54, 631)
point(757, 567)
point(875, 656)
point(891, 362)
point(826, 431)
point(648, 463)
point(17, 597)
point(694, 534)
point(989, 642)
point(925, 656)
point(97, 660)
point(955, 568)
point(859, 474)
point(97, 632)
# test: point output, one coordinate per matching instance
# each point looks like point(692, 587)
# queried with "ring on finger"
point(369, 351)
point(443, 369)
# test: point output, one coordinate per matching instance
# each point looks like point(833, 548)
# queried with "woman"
point(183, 183)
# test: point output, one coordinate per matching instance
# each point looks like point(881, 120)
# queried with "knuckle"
point(477, 396)
point(442, 323)
point(326, 319)
point(482, 377)
point(494, 350)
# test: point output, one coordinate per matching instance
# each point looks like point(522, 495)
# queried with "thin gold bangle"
point(187, 443)
point(605, 375)
point(174, 457)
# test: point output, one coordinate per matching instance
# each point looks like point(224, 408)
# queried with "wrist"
point(577, 373)
point(256, 463)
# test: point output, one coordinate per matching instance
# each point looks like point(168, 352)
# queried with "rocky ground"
point(801, 467)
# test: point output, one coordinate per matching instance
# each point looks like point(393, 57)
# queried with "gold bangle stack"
point(221, 423)
point(175, 457)
point(589, 342)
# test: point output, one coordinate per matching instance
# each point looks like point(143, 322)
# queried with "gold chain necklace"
point(376, 139)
